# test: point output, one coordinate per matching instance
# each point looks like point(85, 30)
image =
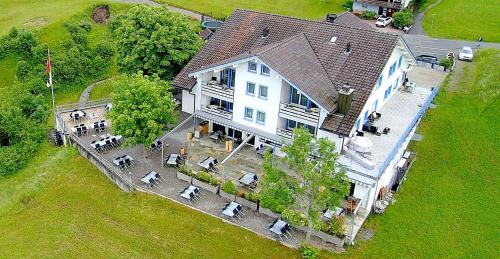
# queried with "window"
point(250, 88)
point(374, 105)
point(248, 114)
point(261, 117)
point(387, 92)
point(379, 82)
point(392, 69)
point(298, 98)
point(400, 61)
point(264, 70)
point(366, 115)
point(252, 67)
point(396, 84)
point(358, 124)
point(228, 106)
point(263, 92)
point(291, 124)
point(227, 76)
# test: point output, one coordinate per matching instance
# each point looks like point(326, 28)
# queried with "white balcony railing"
point(217, 111)
point(284, 133)
point(214, 89)
point(299, 113)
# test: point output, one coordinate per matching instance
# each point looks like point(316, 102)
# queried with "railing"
point(119, 178)
point(90, 104)
point(285, 133)
point(218, 112)
point(300, 114)
point(214, 89)
point(408, 130)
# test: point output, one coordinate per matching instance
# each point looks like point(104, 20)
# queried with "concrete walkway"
point(84, 97)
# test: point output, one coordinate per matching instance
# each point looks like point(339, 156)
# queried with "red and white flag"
point(48, 71)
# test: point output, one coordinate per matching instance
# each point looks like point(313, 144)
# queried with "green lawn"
point(311, 9)
point(464, 19)
point(448, 207)
point(61, 206)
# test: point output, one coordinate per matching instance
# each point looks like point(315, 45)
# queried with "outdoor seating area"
point(106, 143)
point(173, 160)
point(155, 146)
point(100, 126)
point(123, 162)
point(217, 137)
point(233, 210)
point(281, 228)
point(209, 164)
point(77, 115)
point(191, 194)
point(152, 179)
point(80, 130)
point(331, 213)
point(249, 180)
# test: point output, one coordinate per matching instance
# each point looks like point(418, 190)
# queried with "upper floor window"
point(379, 81)
point(263, 92)
point(291, 124)
point(396, 84)
point(248, 114)
point(252, 67)
point(392, 69)
point(250, 88)
point(228, 77)
point(387, 92)
point(374, 105)
point(297, 97)
point(264, 70)
point(366, 115)
point(400, 61)
point(261, 117)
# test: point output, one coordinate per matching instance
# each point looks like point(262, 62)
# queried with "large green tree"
point(319, 181)
point(154, 40)
point(142, 107)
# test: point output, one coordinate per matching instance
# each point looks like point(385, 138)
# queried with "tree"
point(403, 19)
point(154, 40)
point(142, 107)
point(320, 182)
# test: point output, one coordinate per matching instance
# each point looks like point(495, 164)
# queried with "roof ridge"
point(276, 44)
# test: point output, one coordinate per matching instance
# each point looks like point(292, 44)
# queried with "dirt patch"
point(36, 22)
point(101, 14)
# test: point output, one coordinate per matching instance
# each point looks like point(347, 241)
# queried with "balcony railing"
point(218, 111)
point(217, 90)
point(299, 113)
point(284, 133)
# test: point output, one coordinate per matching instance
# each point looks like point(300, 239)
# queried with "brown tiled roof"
point(301, 51)
point(351, 20)
point(205, 34)
point(381, 3)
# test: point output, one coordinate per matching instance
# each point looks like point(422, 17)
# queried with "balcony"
point(284, 133)
point(217, 90)
point(299, 114)
point(218, 111)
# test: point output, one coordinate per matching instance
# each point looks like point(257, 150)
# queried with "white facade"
point(359, 7)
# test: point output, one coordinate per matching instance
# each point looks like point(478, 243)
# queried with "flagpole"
point(52, 87)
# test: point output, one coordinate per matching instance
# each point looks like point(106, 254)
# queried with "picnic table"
point(79, 129)
point(173, 160)
point(151, 175)
point(190, 192)
point(217, 136)
point(77, 114)
point(125, 160)
point(100, 126)
point(248, 179)
point(232, 209)
point(208, 163)
point(280, 227)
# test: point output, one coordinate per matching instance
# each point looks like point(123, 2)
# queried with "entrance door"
point(351, 189)
point(217, 127)
point(380, 10)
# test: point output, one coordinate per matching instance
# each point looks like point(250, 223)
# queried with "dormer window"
point(252, 67)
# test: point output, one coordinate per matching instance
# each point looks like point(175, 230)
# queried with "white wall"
point(378, 93)
point(270, 105)
point(187, 102)
point(333, 137)
point(357, 7)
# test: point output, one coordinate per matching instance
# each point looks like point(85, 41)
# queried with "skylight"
point(333, 39)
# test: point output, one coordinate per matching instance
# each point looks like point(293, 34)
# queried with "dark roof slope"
point(301, 51)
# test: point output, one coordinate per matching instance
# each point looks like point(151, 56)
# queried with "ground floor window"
point(291, 124)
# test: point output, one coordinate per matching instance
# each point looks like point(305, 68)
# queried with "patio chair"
point(158, 177)
point(152, 183)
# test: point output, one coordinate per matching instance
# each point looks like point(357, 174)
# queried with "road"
point(421, 44)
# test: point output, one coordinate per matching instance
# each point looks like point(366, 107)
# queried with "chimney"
point(331, 17)
point(348, 48)
point(265, 32)
point(345, 99)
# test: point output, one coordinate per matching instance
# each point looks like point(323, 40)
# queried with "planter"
point(301, 228)
point(269, 213)
point(226, 195)
point(328, 238)
point(183, 177)
point(247, 203)
point(205, 186)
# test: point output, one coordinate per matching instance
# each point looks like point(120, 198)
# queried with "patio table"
point(279, 227)
point(77, 112)
point(189, 192)
point(206, 163)
point(232, 209)
point(148, 176)
point(248, 179)
point(173, 159)
point(329, 213)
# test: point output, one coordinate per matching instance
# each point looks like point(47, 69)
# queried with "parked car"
point(383, 21)
point(465, 54)
point(428, 59)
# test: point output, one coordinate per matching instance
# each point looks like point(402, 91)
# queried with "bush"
point(185, 170)
point(348, 5)
point(207, 178)
point(334, 227)
point(214, 181)
point(252, 196)
point(229, 187)
point(308, 252)
point(446, 62)
point(368, 15)
point(403, 19)
point(24, 42)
